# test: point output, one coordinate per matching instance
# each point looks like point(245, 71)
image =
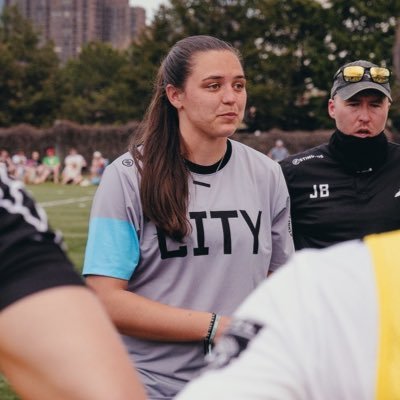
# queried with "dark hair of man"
point(157, 147)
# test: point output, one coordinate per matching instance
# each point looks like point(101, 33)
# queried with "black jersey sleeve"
point(31, 257)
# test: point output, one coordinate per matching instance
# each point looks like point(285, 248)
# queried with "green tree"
point(278, 40)
point(95, 89)
point(291, 49)
point(285, 59)
point(28, 73)
point(362, 29)
point(145, 56)
point(368, 30)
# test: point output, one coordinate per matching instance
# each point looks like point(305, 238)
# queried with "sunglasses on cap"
point(355, 73)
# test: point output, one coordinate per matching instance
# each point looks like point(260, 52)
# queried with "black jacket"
point(31, 257)
point(344, 189)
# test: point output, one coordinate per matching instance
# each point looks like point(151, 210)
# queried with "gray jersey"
point(240, 231)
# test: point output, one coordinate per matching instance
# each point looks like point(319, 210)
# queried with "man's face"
point(363, 115)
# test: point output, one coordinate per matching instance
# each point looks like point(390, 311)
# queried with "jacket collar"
point(359, 155)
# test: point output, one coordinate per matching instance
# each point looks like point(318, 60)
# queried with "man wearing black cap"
point(349, 187)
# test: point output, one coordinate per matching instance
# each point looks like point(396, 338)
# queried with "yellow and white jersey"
point(327, 326)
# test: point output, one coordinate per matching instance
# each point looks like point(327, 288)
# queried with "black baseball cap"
point(349, 89)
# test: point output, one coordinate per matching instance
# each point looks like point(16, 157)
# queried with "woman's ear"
point(174, 96)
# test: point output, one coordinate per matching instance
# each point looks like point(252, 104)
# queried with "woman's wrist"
point(211, 332)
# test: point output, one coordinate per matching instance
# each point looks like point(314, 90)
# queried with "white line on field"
point(65, 201)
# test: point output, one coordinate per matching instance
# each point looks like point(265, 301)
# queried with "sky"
point(149, 5)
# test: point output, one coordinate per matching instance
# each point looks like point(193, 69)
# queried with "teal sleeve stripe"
point(112, 248)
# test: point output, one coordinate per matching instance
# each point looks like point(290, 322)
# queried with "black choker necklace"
point(211, 169)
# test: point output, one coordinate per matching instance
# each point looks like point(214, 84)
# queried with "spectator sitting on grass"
point(33, 169)
point(97, 167)
point(74, 163)
point(51, 166)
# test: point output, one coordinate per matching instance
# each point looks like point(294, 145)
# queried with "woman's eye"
point(214, 86)
point(239, 86)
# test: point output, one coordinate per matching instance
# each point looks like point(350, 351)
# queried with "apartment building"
point(138, 21)
point(117, 23)
point(70, 24)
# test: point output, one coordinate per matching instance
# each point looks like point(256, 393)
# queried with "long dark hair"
point(157, 148)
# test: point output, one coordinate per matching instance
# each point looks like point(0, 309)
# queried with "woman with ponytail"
point(188, 222)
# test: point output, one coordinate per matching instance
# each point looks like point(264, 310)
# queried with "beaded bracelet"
point(212, 330)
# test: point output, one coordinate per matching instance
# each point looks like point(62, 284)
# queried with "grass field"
point(68, 209)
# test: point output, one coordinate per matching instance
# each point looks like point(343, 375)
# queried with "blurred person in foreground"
point(56, 342)
point(325, 326)
point(189, 222)
point(349, 187)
